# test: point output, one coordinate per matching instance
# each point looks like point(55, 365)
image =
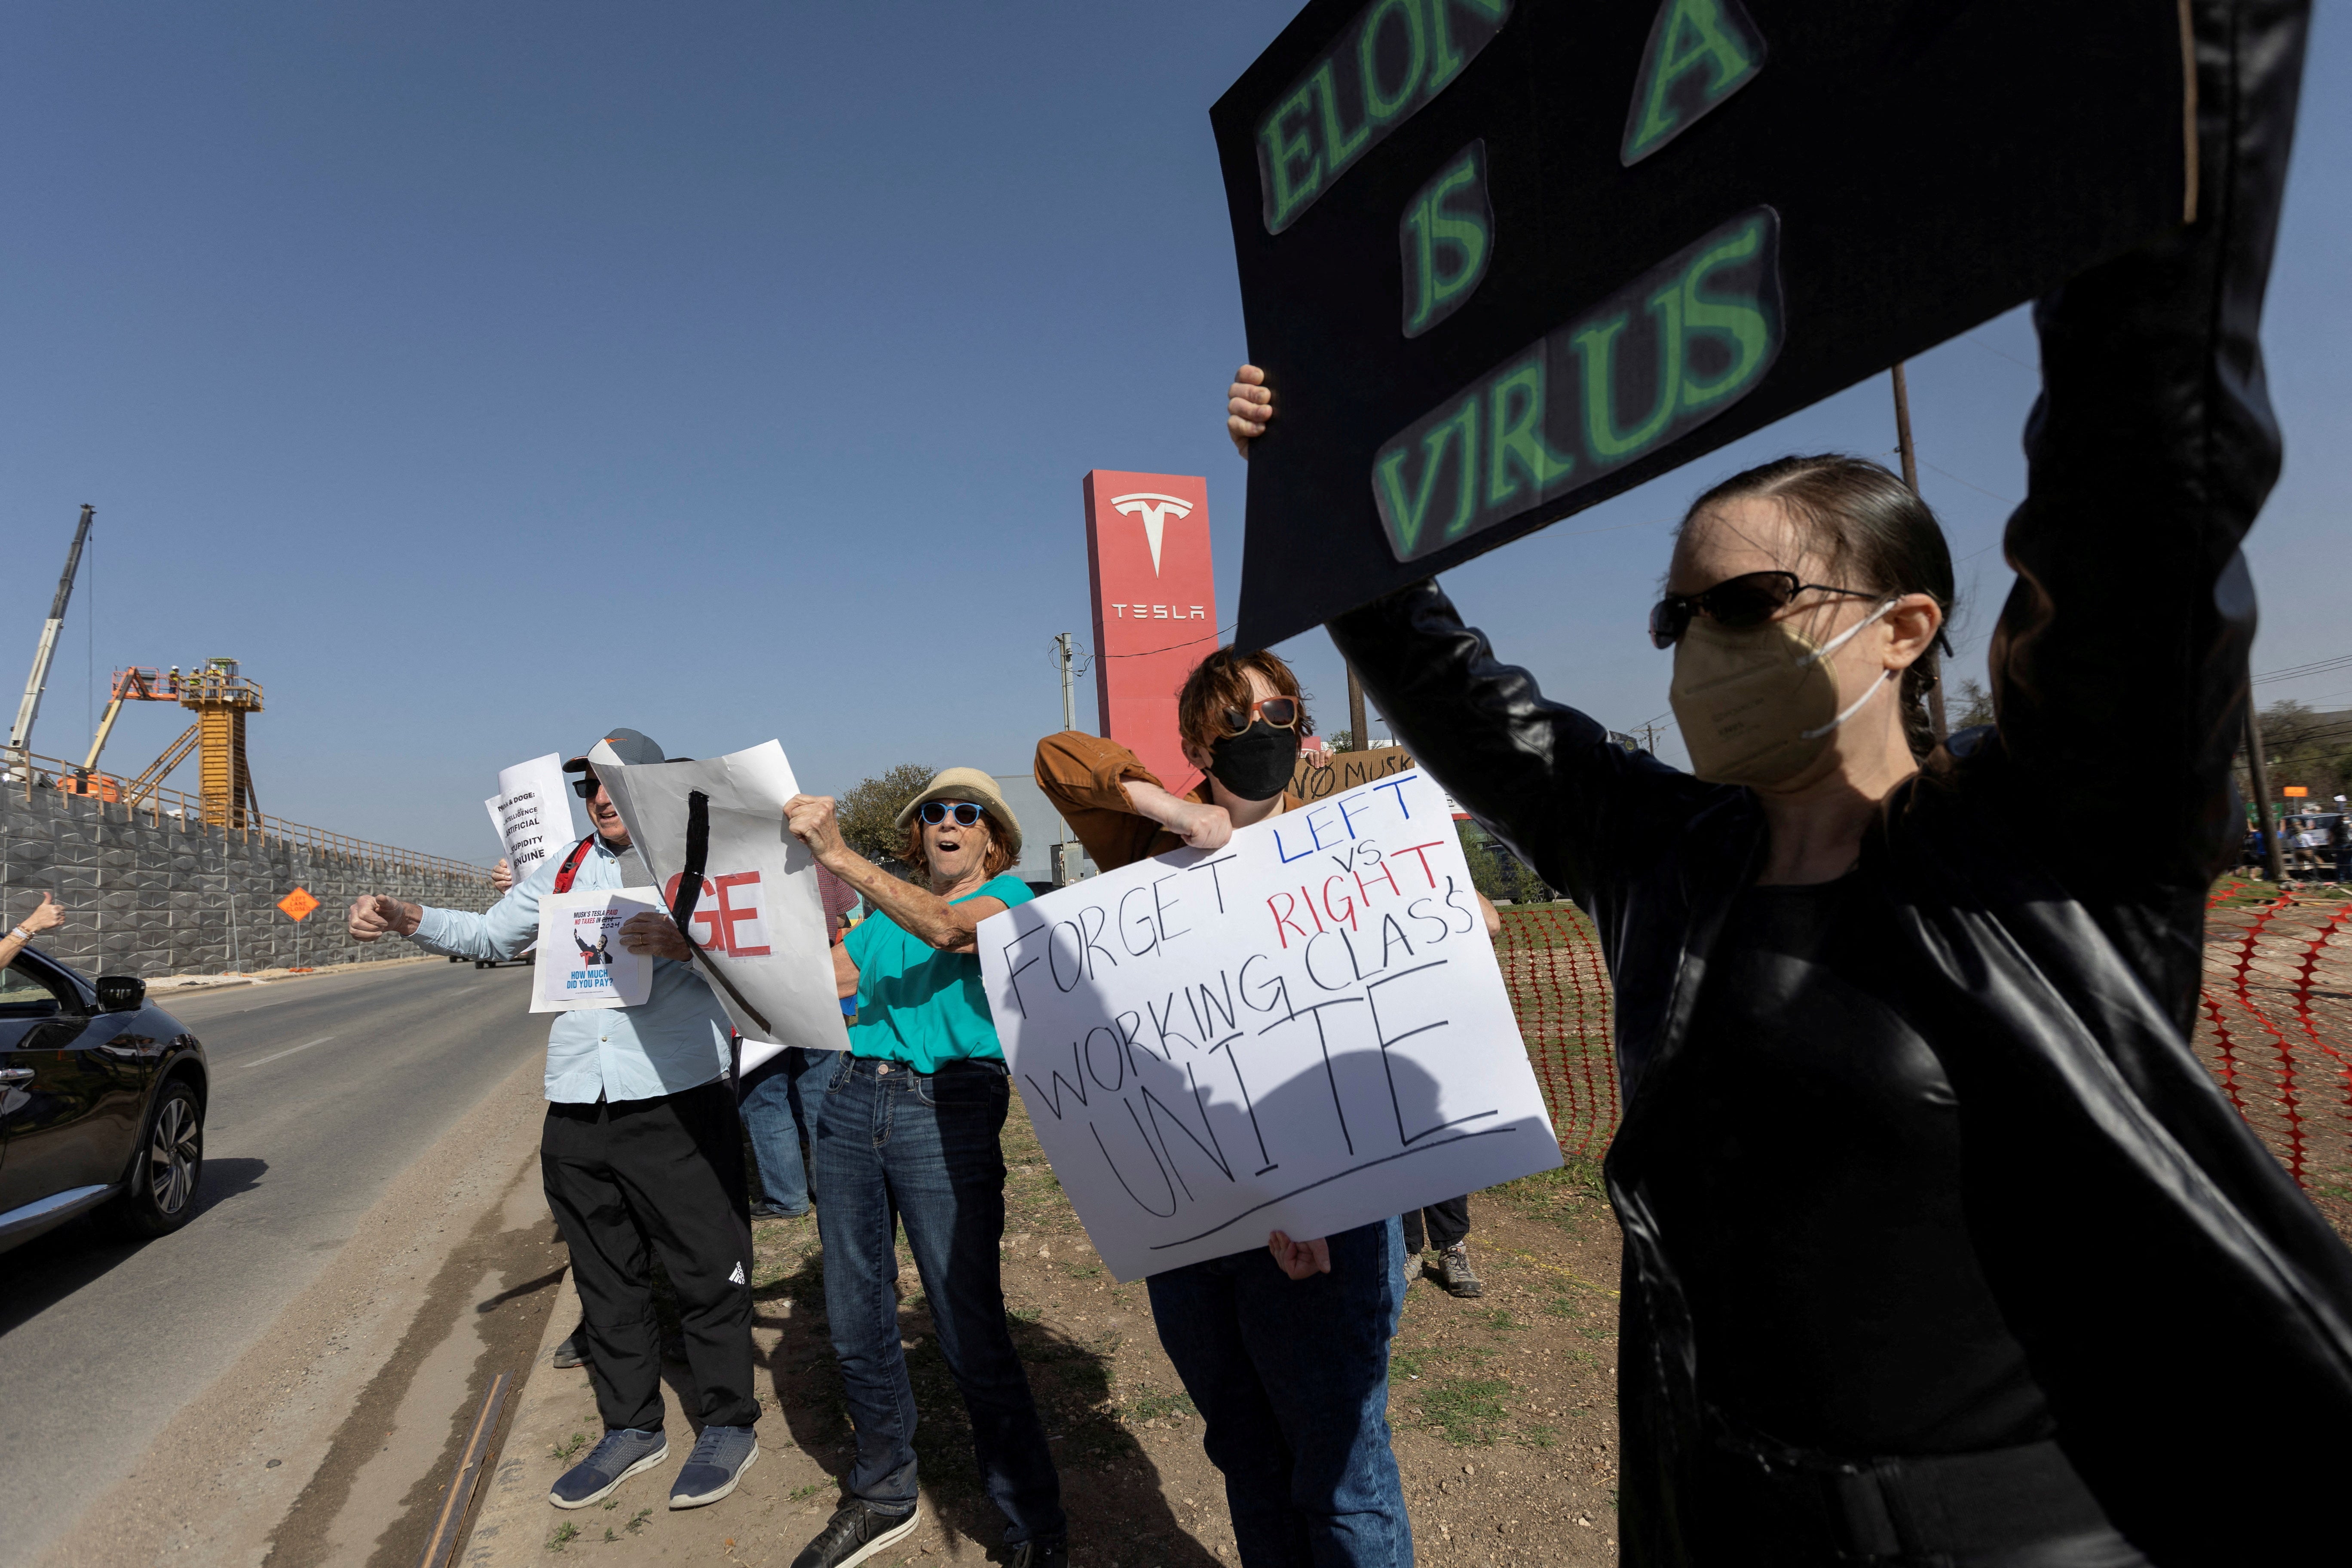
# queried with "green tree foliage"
point(1485, 861)
point(869, 811)
point(2307, 747)
point(1340, 740)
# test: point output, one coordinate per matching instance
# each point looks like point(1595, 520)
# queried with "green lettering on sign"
point(1619, 382)
point(1437, 443)
point(1595, 345)
point(1384, 65)
point(1700, 53)
point(1293, 169)
point(1445, 236)
point(1516, 419)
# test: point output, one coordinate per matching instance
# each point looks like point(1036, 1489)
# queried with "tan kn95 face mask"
point(1758, 706)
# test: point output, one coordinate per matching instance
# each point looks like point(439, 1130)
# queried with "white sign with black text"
point(1304, 1031)
point(531, 813)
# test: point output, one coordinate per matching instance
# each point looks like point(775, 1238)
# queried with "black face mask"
point(1256, 764)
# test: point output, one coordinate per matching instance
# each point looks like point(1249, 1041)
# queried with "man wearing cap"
point(641, 1143)
point(909, 1129)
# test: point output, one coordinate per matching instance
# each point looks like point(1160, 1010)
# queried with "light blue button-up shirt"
point(678, 1040)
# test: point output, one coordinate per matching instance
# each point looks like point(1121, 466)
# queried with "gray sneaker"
point(1453, 1271)
point(624, 1452)
point(720, 1456)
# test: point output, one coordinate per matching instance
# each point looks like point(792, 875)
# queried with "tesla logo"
point(731, 913)
point(1153, 509)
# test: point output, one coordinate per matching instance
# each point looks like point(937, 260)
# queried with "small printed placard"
point(582, 962)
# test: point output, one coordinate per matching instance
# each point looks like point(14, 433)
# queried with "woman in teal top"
point(918, 1004)
point(908, 1134)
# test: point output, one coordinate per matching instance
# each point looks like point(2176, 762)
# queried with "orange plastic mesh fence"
point(2274, 1025)
point(1560, 989)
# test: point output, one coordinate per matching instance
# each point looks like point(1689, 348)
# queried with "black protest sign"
point(1502, 260)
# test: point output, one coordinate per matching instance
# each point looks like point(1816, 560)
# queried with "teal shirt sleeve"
point(1009, 887)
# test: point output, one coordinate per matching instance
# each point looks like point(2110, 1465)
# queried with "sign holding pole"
point(298, 907)
point(1502, 260)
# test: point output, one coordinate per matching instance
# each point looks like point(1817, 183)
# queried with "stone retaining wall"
point(152, 896)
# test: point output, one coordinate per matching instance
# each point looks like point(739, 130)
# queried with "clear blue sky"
point(484, 375)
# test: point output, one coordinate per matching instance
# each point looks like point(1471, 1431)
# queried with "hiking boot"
point(624, 1451)
point(855, 1532)
point(1453, 1272)
point(720, 1456)
point(1054, 1553)
point(573, 1351)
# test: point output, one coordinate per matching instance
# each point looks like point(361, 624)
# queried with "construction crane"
point(20, 738)
point(220, 698)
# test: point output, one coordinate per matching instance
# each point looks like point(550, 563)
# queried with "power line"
point(2316, 667)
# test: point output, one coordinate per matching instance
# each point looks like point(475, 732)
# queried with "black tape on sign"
point(698, 861)
point(681, 910)
point(1501, 260)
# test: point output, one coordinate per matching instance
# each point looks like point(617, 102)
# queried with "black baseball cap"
point(630, 746)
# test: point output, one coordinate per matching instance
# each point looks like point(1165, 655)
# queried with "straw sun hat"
point(971, 785)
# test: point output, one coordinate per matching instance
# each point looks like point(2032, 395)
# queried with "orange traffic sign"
point(297, 904)
point(2296, 791)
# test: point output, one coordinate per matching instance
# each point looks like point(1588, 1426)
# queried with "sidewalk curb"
point(512, 1523)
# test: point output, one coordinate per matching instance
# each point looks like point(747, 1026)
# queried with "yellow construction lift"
point(220, 698)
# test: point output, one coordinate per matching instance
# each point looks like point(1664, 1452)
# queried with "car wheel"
point(169, 1165)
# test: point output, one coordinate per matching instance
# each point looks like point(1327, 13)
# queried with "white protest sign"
point(759, 918)
point(581, 960)
point(1304, 1031)
point(531, 813)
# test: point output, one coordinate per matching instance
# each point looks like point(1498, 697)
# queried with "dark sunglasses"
point(1282, 712)
point(1737, 603)
point(584, 786)
point(938, 811)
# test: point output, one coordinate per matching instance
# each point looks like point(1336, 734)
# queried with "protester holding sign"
point(909, 1133)
point(1282, 1347)
point(1918, 1177)
point(641, 1144)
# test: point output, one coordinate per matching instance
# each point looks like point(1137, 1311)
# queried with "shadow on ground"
point(49, 1269)
point(1112, 1488)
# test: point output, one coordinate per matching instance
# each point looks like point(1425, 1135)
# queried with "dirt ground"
point(1504, 1408)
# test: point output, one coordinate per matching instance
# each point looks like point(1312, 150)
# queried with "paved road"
point(323, 1089)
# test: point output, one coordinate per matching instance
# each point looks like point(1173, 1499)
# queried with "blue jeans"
point(1292, 1379)
point(893, 1145)
point(776, 1110)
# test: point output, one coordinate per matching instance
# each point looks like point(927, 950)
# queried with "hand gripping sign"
point(742, 888)
point(1304, 1031)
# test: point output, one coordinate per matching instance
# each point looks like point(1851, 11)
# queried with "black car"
point(101, 1103)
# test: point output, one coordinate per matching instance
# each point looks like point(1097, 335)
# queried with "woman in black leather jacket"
point(1941, 1246)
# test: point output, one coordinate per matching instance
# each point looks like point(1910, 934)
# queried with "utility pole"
point(1360, 738)
point(1069, 701)
point(1911, 479)
point(1068, 853)
point(20, 738)
point(2259, 767)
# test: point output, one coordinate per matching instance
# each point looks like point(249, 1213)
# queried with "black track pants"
point(1449, 1222)
point(622, 1174)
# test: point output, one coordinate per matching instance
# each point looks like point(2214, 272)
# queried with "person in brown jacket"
point(1284, 1350)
